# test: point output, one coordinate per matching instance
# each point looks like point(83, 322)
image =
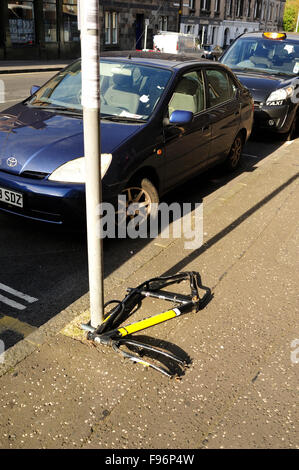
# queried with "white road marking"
point(17, 293)
point(11, 303)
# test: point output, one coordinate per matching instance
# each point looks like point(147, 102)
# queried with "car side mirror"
point(34, 89)
point(181, 118)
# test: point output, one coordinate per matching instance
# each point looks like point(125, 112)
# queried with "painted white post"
point(90, 53)
point(145, 33)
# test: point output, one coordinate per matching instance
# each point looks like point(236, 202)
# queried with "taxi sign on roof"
point(271, 35)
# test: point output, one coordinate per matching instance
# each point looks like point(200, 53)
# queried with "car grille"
point(38, 175)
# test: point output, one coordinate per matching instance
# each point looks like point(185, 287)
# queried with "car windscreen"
point(126, 90)
point(270, 56)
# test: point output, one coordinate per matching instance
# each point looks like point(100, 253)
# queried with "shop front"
point(39, 29)
point(48, 29)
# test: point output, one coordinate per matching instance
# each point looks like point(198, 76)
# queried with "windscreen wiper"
point(65, 109)
point(249, 69)
point(39, 103)
point(49, 107)
point(263, 71)
point(282, 72)
point(114, 118)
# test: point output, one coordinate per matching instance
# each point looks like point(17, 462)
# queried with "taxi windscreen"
point(270, 56)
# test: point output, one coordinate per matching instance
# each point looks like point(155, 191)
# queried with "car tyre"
point(234, 157)
point(144, 193)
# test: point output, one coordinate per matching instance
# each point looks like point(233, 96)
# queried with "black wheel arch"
point(146, 172)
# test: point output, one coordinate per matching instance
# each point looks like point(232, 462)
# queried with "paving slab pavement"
point(242, 386)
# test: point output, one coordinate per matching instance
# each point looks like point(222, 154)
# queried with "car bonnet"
point(262, 85)
point(36, 140)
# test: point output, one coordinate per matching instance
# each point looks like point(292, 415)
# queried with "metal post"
point(297, 22)
point(90, 53)
point(145, 33)
point(180, 15)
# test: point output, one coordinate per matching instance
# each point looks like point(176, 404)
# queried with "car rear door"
point(187, 148)
point(224, 111)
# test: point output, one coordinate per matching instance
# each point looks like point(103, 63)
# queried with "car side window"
point(221, 88)
point(189, 94)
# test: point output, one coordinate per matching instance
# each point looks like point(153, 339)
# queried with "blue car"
point(164, 119)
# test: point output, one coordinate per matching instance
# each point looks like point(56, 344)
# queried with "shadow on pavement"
point(188, 259)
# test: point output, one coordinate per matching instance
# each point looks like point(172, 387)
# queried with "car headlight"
point(74, 170)
point(281, 95)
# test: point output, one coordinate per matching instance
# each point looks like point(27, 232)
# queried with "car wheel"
point(142, 200)
point(234, 156)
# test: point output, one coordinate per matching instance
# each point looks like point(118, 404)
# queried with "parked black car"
point(268, 65)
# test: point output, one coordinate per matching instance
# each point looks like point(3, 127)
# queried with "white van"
point(175, 43)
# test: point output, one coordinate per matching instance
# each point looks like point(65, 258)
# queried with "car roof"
point(259, 34)
point(161, 59)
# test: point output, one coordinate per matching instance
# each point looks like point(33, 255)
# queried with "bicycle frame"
point(112, 334)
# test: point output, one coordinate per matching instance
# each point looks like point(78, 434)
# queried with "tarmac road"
point(17, 86)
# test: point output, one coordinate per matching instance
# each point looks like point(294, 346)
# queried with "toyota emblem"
point(12, 161)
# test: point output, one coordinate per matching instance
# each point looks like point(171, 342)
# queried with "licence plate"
point(11, 197)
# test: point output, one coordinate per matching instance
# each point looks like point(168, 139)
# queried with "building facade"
point(37, 29)
point(221, 21)
point(48, 29)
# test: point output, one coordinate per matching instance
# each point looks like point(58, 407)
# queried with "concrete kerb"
point(66, 323)
point(16, 71)
point(27, 67)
